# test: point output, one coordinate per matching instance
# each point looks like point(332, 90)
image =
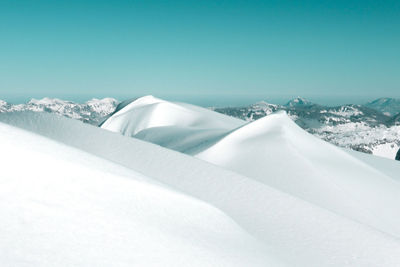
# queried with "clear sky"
point(200, 49)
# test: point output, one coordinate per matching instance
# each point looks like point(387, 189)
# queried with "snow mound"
point(65, 207)
point(184, 126)
point(291, 229)
point(147, 112)
point(275, 151)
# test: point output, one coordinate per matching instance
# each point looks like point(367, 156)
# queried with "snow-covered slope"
point(179, 126)
point(277, 152)
point(63, 207)
point(293, 230)
point(359, 127)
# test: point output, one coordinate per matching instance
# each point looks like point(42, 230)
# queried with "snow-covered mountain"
point(350, 126)
point(358, 127)
point(266, 193)
point(268, 150)
point(299, 102)
point(92, 111)
point(389, 106)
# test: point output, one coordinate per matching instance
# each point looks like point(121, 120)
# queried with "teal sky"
point(200, 50)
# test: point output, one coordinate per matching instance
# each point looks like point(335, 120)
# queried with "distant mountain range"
point(91, 111)
point(303, 111)
point(388, 106)
point(371, 128)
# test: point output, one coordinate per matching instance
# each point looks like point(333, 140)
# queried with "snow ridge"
point(268, 150)
point(365, 128)
point(297, 232)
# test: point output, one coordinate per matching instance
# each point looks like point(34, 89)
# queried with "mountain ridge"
point(268, 150)
point(91, 111)
point(359, 127)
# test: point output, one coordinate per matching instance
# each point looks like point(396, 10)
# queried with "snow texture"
point(264, 193)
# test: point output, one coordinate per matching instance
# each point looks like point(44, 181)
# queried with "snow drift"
point(179, 126)
point(60, 206)
point(297, 232)
point(275, 151)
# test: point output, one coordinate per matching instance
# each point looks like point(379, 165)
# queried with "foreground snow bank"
point(293, 230)
point(63, 207)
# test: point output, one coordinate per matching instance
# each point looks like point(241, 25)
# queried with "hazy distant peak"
point(47, 101)
point(384, 100)
point(264, 104)
point(3, 103)
point(299, 101)
point(106, 99)
point(389, 106)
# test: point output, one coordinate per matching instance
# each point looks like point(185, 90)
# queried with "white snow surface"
point(381, 140)
point(180, 126)
point(63, 207)
point(276, 194)
point(388, 150)
point(275, 151)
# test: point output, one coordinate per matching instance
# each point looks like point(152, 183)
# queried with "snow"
point(357, 127)
point(350, 126)
point(92, 111)
point(378, 140)
point(3, 106)
point(154, 112)
point(346, 111)
point(309, 170)
point(103, 106)
point(387, 150)
point(275, 151)
point(179, 126)
point(295, 231)
point(63, 207)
